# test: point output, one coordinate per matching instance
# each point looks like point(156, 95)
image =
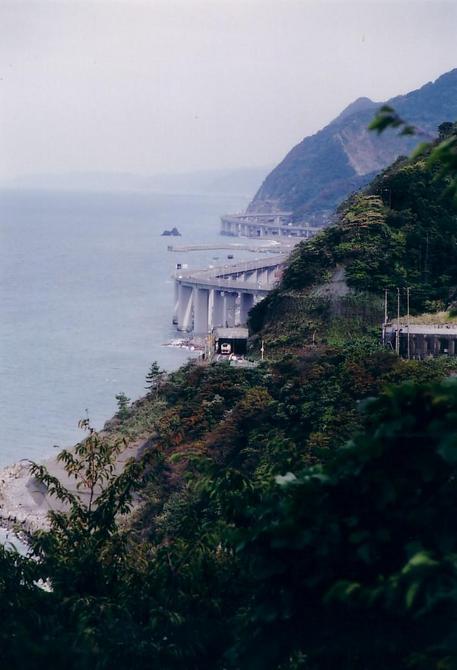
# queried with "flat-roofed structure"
point(418, 340)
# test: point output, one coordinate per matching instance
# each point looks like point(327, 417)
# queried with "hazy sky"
point(178, 85)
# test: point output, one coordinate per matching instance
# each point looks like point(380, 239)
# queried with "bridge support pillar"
point(185, 307)
point(176, 302)
point(271, 275)
point(246, 303)
point(217, 313)
point(201, 299)
point(230, 307)
point(262, 277)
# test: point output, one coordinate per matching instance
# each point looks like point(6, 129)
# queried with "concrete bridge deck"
point(277, 224)
point(223, 296)
point(268, 246)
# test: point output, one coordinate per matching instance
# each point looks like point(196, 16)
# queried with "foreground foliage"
point(248, 551)
point(298, 515)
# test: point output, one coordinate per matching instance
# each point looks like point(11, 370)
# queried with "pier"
point(222, 296)
point(274, 247)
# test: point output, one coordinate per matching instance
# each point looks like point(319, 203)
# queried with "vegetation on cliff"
point(400, 232)
point(297, 515)
point(261, 542)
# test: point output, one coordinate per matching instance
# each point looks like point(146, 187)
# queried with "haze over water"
point(86, 304)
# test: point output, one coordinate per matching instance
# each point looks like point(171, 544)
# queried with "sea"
point(86, 301)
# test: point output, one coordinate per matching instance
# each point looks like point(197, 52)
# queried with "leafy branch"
point(441, 153)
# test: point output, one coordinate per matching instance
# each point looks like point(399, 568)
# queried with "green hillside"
point(299, 515)
point(401, 231)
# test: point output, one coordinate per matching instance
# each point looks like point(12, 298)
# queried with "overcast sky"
point(182, 85)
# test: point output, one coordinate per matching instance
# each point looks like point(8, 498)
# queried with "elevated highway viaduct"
point(223, 296)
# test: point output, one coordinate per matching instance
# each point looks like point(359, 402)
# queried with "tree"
point(123, 406)
point(154, 380)
point(86, 557)
point(442, 152)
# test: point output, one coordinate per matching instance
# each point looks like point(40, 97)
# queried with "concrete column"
point(436, 345)
point(176, 302)
point(420, 346)
point(184, 307)
point(217, 312)
point(451, 347)
point(425, 346)
point(412, 346)
point(262, 276)
point(230, 308)
point(201, 298)
point(271, 274)
point(246, 303)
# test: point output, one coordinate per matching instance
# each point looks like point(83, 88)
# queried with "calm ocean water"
point(86, 304)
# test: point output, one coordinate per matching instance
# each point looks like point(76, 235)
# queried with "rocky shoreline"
point(24, 502)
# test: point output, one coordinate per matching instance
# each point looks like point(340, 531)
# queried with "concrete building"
point(421, 340)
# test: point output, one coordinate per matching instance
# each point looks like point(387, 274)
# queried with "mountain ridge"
point(320, 171)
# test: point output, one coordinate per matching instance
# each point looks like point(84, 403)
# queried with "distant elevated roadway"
point(276, 224)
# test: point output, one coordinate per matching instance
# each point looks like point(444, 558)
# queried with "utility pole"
point(262, 350)
point(397, 338)
point(407, 317)
point(385, 319)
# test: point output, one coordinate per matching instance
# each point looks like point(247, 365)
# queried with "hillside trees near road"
point(400, 232)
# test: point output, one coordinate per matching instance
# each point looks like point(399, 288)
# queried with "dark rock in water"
point(173, 232)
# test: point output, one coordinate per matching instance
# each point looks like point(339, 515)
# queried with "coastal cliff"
point(319, 172)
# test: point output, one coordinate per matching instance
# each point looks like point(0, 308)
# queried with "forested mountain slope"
point(298, 515)
point(320, 171)
point(401, 231)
